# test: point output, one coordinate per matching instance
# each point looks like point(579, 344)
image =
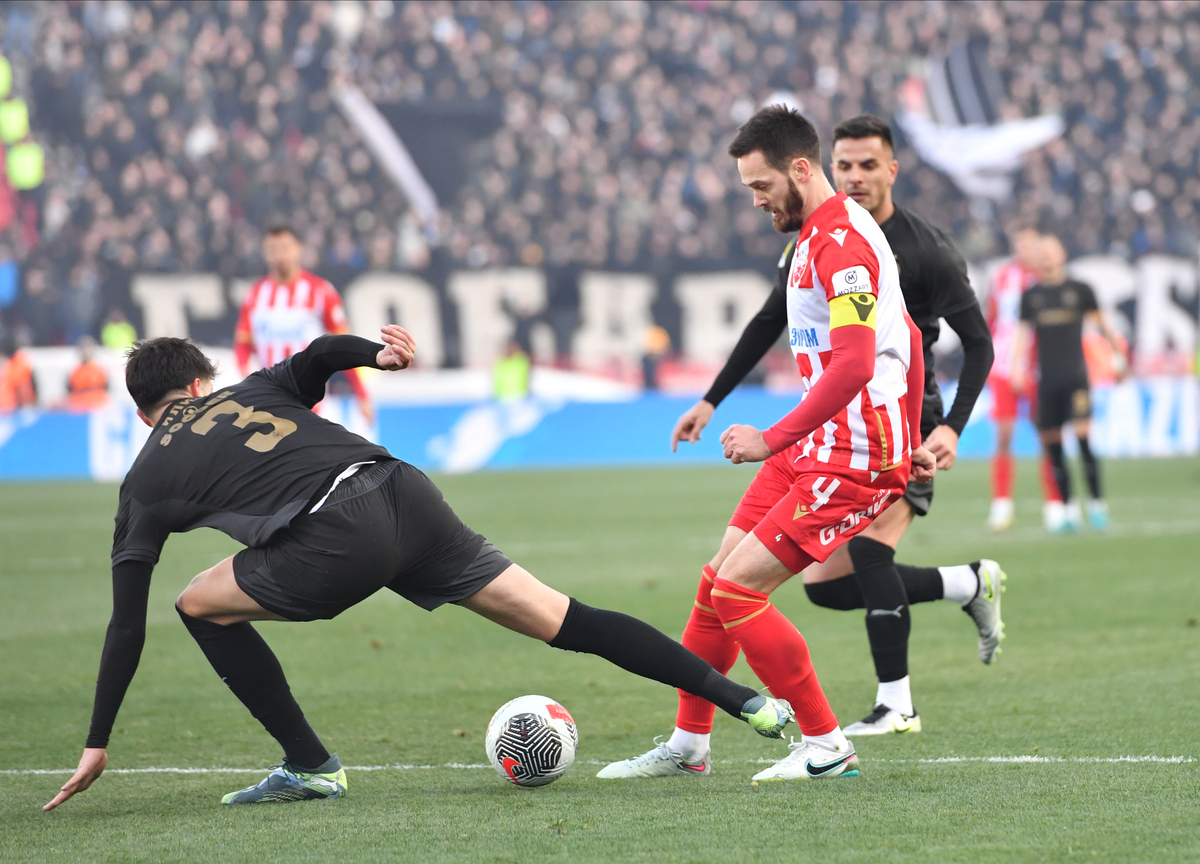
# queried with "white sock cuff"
point(691, 745)
point(960, 583)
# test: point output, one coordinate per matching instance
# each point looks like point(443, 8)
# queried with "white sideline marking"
point(459, 766)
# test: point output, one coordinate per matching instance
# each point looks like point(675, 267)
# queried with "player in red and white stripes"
point(830, 467)
point(1003, 316)
point(287, 309)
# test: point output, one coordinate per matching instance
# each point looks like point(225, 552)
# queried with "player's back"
point(245, 460)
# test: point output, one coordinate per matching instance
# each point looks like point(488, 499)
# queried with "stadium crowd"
point(175, 131)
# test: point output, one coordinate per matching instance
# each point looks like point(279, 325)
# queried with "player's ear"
point(145, 419)
point(801, 169)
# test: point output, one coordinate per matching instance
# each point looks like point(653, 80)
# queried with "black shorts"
point(931, 409)
point(919, 496)
point(385, 527)
point(1058, 403)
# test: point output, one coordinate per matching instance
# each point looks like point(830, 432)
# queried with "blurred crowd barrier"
point(1141, 417)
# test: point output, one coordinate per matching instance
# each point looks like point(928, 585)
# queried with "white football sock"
point(691, 745)
point(959, 583)
point(896, 695)
point(834, 740)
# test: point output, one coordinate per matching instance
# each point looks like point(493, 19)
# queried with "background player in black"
point(862, 574)
point(328, 518)
point(1056, 309)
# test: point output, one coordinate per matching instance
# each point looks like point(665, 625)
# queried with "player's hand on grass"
point(691, 423)
point(744, 444)
point(91, 766)
point(399, 349)
point(942, 442)
point(924, 465)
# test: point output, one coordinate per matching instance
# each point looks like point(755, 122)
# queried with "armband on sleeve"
point(852, 309)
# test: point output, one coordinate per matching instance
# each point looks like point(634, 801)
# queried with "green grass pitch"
point(1102, 661)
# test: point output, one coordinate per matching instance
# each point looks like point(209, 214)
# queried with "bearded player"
point(288, 308)
point(831, 466)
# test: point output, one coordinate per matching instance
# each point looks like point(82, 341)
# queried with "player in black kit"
point(862, 573)
point(1056, 308)
point(328, 519)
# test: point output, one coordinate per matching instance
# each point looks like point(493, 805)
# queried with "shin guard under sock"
point(637, 647)
point(887, 618)
point(1062, 477)
point(705, 637)
point(250, 669)
point(1091, 468)
point(776, 652)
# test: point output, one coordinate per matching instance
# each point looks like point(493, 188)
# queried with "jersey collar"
point(822, 213)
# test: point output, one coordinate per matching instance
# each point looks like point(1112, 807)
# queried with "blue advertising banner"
point(1146, 417)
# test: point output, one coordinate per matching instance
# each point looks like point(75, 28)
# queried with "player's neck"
point(285, 277)
point(884, 211)
point(819, 192)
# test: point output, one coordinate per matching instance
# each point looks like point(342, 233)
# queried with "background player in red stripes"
point(287, 309)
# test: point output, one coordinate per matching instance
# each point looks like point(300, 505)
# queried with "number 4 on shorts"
point(821, 496)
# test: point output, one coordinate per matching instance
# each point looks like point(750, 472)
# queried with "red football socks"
point(1050, 491)
point(705, 637)
point(776, 652)
point(1002, 475)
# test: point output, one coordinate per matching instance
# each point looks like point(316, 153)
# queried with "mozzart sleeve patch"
point(852, 280)
point(852, 309)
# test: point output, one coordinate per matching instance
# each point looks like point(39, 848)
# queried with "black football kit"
point(1056, 312)
point(933, 279)
point(328, 519)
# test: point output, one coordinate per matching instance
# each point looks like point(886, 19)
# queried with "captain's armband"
point(852, 309)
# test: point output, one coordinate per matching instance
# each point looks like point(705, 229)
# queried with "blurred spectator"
point(17, 386)
point(658, 345)
point(170, 129)
point(117, 333)
point(510, 374)
point(87, 387)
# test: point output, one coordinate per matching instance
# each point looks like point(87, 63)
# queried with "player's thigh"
point(733, 536)
point(1083, 428)
point(518, 601)
point(752, 565)
point(887, 528)
point(215, 596)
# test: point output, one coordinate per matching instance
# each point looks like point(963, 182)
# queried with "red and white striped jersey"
point(282, 318)
point(1003, 313)
point(844, 273)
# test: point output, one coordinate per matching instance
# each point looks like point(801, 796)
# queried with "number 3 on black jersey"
point(261, 442)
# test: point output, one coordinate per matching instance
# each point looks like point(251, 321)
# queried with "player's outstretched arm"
point(978, 354)
point(692, 423)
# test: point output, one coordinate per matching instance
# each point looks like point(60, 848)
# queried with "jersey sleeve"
point(849, 273)
point(944, 270)
point(306, 372)
point(334, 316)
point(1087, 298)
point(138, 534)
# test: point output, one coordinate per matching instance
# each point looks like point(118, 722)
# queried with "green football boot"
point(286, 784)
point(768, 716)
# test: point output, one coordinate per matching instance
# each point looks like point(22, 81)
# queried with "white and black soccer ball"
point(531, 741)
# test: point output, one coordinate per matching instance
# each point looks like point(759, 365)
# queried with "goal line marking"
point(460, 766)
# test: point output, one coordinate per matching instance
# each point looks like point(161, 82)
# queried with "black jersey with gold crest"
point(245, 460)
point(1057, 313)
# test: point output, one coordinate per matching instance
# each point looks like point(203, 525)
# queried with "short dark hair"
point(864, 126)
point(280, 227)
point(781, 134)
point(157, 367)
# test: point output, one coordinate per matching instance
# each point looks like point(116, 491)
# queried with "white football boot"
point(809, 761)
point(984, 608)
point(1001, 515)
point(662, 761)
point(884, 721)
point(1054, 517)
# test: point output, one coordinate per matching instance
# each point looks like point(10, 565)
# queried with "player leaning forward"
point(328, 519)
point(834, 463)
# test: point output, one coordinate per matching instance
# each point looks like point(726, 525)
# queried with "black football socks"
point(250, 669)
point(637, 647)
point(1091, 468)
point(888, 622)
point(1062, 477)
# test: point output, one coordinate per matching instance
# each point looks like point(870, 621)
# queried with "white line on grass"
point(459, 766)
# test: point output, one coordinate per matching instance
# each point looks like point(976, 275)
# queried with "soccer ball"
point(531, 741)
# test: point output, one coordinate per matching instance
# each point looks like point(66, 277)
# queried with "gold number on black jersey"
point(261, 442)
